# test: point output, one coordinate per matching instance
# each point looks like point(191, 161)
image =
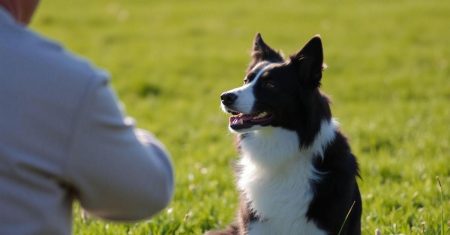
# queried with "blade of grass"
point(442, 203)
point(346, 217)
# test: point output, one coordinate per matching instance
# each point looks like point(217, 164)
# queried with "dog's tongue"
point(240, 119)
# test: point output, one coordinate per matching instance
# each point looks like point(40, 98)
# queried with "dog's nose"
point(228, 98)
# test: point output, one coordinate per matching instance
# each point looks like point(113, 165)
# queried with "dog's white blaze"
point(276, 177)
point(246, 99)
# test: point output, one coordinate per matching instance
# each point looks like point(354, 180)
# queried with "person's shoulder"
point(46, 57)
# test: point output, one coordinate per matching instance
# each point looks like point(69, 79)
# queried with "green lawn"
point(388, 76)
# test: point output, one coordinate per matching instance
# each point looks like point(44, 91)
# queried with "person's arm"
point(117, 171)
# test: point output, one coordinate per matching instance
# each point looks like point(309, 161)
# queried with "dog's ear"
point(262, 52)
point(310, 62)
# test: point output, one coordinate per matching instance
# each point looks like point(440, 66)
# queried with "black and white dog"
point(297, 174)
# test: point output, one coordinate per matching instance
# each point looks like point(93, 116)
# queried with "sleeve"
point(118, 172)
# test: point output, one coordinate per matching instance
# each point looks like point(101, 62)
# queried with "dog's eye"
point(269, 84)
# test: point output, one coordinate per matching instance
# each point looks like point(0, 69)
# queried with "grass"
point(346, 217)
point(388, 76)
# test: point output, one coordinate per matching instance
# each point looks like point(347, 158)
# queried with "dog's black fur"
point(298, 105)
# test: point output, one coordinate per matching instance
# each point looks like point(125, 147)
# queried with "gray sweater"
point(63, 137)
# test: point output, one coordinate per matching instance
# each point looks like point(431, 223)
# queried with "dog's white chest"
point(275, 177)
point(281, 202)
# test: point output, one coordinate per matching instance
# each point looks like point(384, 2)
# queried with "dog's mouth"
point(243, 121)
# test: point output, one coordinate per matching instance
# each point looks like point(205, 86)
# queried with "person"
point(63, 137)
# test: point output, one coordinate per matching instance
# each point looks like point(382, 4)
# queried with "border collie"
point(296, 174)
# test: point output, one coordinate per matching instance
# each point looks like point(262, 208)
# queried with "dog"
point(296, 174)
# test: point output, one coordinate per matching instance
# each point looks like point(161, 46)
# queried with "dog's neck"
point(273, 147)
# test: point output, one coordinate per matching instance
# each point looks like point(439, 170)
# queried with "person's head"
point(21, 10)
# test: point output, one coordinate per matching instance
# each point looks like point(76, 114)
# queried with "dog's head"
point(279, 92)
